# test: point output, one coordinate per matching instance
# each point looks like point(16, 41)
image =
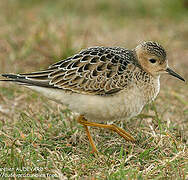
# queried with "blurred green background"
point(56, 29)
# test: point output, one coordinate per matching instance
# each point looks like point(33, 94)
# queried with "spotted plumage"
point(96, 70)
point(156, 49)
point(103, 83)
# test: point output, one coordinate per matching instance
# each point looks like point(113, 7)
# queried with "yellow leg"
point(94, 149)
point(112, 127)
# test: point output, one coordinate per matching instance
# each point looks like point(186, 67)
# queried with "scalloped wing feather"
point(96, 71)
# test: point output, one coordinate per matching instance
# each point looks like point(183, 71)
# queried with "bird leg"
point(81, 120)
point(112, 127)
point(94, 149)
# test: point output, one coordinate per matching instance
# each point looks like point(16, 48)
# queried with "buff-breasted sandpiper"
point(103, 83)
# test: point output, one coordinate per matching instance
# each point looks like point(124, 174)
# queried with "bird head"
point(152, 58)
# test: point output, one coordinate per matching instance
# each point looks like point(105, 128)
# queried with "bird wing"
point(96, 71)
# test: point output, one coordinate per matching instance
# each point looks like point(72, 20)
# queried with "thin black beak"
point(171, 72)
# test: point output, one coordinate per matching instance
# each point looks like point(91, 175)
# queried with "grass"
point(41, 138)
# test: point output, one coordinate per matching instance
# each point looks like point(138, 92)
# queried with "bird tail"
point(30, 79)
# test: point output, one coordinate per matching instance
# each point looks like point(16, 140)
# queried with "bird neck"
point(135, 60)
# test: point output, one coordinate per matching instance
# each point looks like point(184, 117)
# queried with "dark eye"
point(152, 60)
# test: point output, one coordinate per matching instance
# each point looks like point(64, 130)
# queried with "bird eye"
point(153, 60)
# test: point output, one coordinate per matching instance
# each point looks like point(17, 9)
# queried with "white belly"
point(99, 108)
